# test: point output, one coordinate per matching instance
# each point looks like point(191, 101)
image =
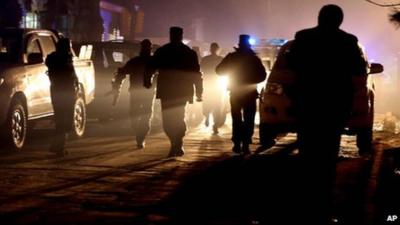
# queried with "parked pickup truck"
point(25, 86)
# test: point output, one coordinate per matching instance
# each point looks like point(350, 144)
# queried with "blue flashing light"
point(252, 41)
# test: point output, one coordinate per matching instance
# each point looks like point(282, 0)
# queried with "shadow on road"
point(238, 190)
point(261, 189)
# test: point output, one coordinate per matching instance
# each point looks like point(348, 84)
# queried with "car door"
point(38, 88)
point(48, 45)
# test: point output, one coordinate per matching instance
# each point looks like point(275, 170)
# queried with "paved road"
point(105, 180)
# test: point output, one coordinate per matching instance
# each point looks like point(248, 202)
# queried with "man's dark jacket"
point(178, 72)
point(326, 61)
point(244, 70)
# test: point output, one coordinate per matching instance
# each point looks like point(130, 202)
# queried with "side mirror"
point(375, 68)
point(35, 58)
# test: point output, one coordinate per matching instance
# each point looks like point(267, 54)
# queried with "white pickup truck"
point(25, 86)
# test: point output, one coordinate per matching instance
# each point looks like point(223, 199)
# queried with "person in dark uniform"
point(213, 95)
point(244, 70)
point(325, 59)
point(141, 99)
point(179, 78)
point(64, 85)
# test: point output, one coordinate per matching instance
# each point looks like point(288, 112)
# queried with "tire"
point(16, 126)
point(80, 118)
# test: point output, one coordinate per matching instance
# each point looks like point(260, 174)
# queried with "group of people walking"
point(180, 77)
point(174, 75)
point(325, 59)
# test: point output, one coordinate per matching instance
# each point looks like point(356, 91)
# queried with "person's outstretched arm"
point(151, 69)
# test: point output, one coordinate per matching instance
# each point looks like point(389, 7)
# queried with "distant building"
point(85, 20)
point(122, 19)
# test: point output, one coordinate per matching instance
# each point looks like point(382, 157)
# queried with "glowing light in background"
point(252, 41)
point(223, 82)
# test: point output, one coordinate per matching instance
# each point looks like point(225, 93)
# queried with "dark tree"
point(54, 10)
point(10, 13)
point(86, 22)
point(395, 17)
point(79, 19)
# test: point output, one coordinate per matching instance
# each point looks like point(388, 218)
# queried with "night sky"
point(224, 20)
point(214, 13)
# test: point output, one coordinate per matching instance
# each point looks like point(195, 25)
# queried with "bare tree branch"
point(383, 5)
point(395, 18)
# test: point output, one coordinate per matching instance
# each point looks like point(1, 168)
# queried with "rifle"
point(115, 90)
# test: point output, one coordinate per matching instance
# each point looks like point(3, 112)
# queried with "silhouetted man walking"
point(244, 70)
point(325, 59)
point(178, 74)
point(63, 88)
point(213, 94)
point(142, 99)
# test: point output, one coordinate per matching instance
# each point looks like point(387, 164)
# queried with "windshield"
point(9, 47)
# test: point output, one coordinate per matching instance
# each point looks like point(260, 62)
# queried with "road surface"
point(105, 180)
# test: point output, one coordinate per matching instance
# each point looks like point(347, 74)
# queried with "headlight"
point(274, 88)
point(223, 82)
point(1, 81)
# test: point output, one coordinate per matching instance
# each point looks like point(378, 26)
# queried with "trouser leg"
point(173, 114)
point(249, 112)
point(267, 134)
point(134, 111)
point(319, 147)
point(63, 106)
point(237, 121)
point(206, 107)
point(60, 133)
point(144, 118)
point(217, 112)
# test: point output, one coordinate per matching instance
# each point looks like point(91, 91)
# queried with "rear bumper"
point(278, 111)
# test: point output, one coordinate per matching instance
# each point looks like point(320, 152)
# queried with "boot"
point(176, 149)
point(236, 148)
point(246, 149)
point(265, 146)
point(58, 145)
point(207, 121)
point(140, 142)
point(215, 130)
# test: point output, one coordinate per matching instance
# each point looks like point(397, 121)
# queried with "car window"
point(118, 57)
point(33, 47)
point(48, 44)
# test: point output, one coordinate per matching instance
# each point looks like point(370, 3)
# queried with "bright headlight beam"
point(223, 82)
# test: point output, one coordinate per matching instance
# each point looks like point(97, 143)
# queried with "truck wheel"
point(16, 125)
point(79, 123)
